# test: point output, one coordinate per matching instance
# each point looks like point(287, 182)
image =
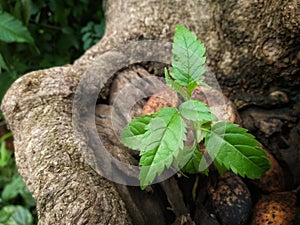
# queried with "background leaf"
point(16, 215)
point(2, 63)
point(5, 81)
point(26, 10)
point(13, 189)
point(12, 29)
point(5, 155)
point(17, 187)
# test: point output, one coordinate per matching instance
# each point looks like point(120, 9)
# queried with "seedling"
point(160, 137)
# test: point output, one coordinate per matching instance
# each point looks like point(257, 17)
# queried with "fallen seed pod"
point(225, 110)
point(275, 208)
point(163, 98)
point(215, 99)
point(230, 199)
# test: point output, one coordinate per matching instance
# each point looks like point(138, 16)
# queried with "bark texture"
point(252, 48)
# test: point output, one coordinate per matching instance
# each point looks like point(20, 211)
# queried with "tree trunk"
point(252, 49)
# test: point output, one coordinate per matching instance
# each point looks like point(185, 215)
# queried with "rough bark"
point(252, 48)
point(67, 191)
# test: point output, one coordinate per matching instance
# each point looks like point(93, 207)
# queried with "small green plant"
point(160, 137)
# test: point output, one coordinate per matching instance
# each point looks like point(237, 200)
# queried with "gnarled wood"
point(252, 48)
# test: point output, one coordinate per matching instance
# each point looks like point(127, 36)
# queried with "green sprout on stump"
point(160, 137)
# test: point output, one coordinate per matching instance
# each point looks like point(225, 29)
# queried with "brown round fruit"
point(163, 98)
point(275, 208)
point(230, 199)
point(273, 180)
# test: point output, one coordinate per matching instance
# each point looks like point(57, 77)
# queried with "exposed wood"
point(252, 49)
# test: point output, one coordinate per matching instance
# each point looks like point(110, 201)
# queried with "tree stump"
point(252, 50)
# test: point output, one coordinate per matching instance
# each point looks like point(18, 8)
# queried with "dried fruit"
point(163, 98)
point(218, 103)
point(275, 208)
point(230, 199)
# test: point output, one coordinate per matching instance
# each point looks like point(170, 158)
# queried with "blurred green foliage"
point(17, 207)
point(37, 34)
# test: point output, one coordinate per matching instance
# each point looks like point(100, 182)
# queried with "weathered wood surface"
point(252, 48)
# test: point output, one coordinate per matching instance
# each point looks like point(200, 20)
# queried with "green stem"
point(205, 129)
point(195, 186)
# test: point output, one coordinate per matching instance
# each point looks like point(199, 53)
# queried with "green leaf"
point(202, 83)
point(184, 156)
point(5, 156)
point(16, 215)
point(190, 88)
point(87, 44)
point(2, 63)
point(236, 149)
point(27, 197)
point(26, 10)
point(4, 216)
point(132, 135)
point(188, 62)
point(14, 188)
point(22, 10)
point(165, 136)
point(190, 160)
point(196, 164)
point(195, 111)
point(12, 29)
point(6, 80)
point(86, 36)
point(221, 168)
point(100, 28)
point(176, 87)
point(202, 128)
